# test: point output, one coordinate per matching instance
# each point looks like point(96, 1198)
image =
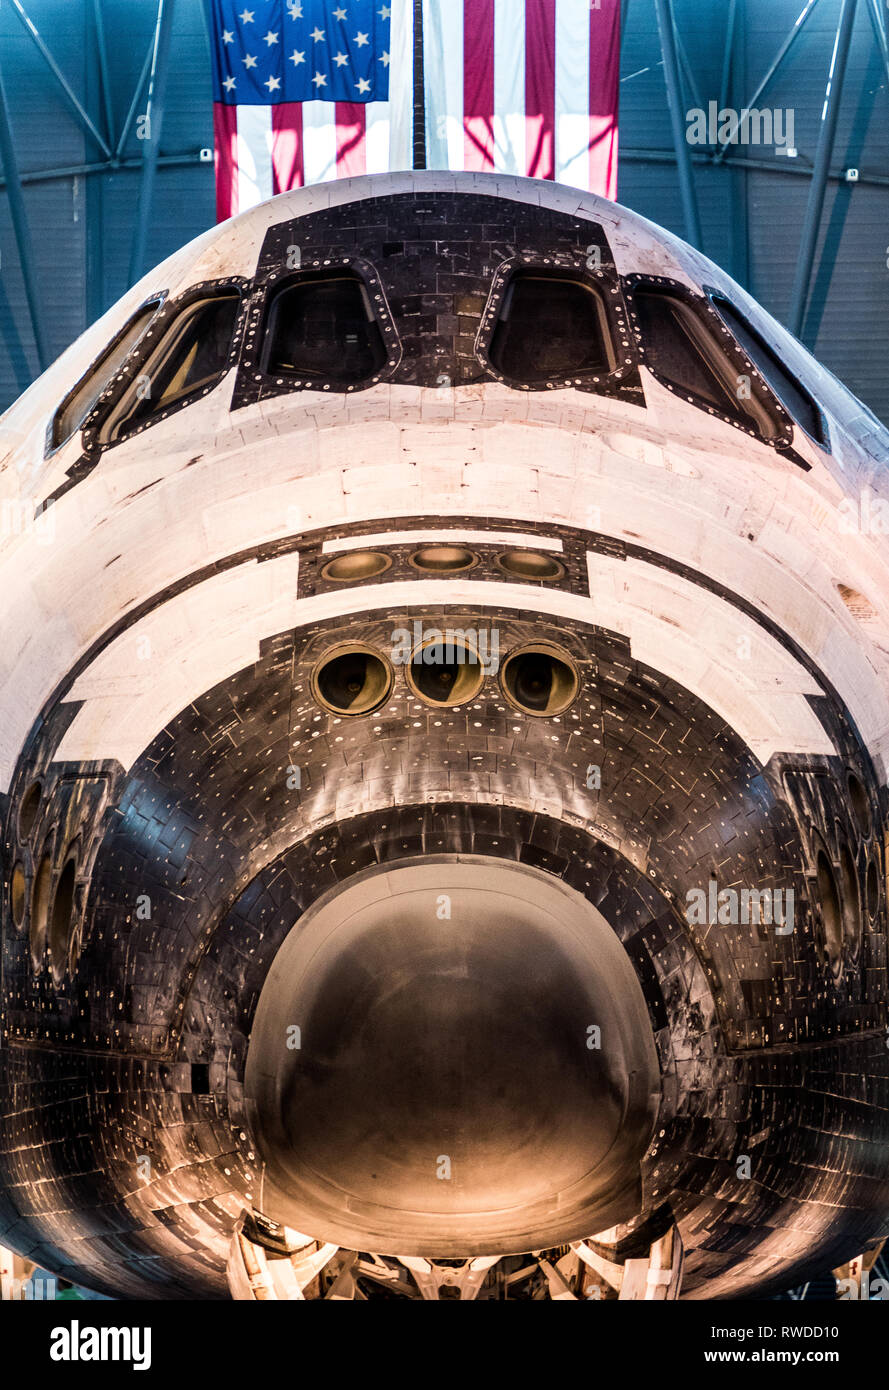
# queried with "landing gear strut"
point(270, 1262)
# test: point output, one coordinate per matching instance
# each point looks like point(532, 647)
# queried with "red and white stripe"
point(524, 87)
point(264, 150)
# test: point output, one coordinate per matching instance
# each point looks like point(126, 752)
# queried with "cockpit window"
point(794, 398)
point(192, 354)
point(682, 349)
point(323, 327)
point(79, 404)
point(550, 328)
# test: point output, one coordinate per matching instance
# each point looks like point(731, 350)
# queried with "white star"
point(295, 8)
point(319, 79)
point(273, 84)
point(246, 16)
point(317, 34)
point(361, 40)
point(385, 12)
point(296, 57)
point(229, 84)
point(385, 60)
point(341, 60)
point(362, 84)
point(339, 14)
point(271, 38)
point(250, 61)
point(227, 36)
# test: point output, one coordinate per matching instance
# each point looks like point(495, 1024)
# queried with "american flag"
point(524, 87)
point(302, 94)
point(310, 90)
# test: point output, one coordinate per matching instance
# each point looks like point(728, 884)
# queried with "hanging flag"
point(524, 87)
point(308, 90)
point(311, 90)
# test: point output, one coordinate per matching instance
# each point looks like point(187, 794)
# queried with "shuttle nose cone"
point(451, 1057)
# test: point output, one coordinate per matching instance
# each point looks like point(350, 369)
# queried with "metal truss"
point(153, 118)
point(675, 62)
point(20, 227)
point(109, 141)
point(109, 144)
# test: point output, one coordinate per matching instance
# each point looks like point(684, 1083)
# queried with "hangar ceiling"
point(84, 210)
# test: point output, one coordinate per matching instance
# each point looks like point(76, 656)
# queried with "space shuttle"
point(444, 720)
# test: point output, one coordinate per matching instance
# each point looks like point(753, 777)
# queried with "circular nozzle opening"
point(873, 890)
point(360, 564)
point(851, 899)
point(444, 672)
point(443, 559)
point(860, 804)
point(28, 813)
point(831, 912)
point(61, 919)
point(530, 564)
point(540, 680)
point(17, 895)
point(74, 952)
point(40, 910)
point(352, 680)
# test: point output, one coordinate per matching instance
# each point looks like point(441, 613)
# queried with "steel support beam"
point(107, 166)
point(728, 55)
point(680, 144)
point(878, 20)
point(157, 93)
point(97, 99)
point(777, 60)
point(624, 11)
point(71, 97)
point(631, 156)
point(734, 78)
point(140, 86)
point(686, 67)
point(21, 229)
point(102, 52)
point(765, 166)
point(812, 222)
